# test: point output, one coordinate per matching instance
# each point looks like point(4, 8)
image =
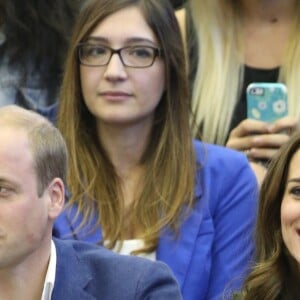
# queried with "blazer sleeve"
point(233, 205)
point(158, 283)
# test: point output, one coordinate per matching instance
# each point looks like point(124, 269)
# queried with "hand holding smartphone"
point(266, 101)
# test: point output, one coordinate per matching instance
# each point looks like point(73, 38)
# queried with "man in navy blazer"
point(33, 163)
point(92, 272)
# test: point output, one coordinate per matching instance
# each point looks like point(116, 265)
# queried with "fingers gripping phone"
point(266, 101)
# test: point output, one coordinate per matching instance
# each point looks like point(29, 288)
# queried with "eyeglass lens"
point(135, 56)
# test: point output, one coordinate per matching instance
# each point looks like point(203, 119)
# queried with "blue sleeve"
point(233, 206)
point(69, 226)
point(62, 227)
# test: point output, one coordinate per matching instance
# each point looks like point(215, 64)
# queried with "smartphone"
point(266, 101)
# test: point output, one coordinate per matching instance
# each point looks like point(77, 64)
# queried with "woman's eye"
point(141, 52)
point(95, 51)
point(295, 191)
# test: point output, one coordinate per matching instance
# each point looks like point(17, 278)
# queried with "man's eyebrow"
point(7, 180)
point(3, 180)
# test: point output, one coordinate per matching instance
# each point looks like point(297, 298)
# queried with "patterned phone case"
point(266, 101)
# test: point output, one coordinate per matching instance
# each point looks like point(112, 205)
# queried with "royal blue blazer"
point(214, 249)
point(89, 272)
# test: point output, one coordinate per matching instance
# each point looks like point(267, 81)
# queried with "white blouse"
point(132, 245)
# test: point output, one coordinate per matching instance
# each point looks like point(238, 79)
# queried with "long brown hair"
point(169, 160)
point(276, 274)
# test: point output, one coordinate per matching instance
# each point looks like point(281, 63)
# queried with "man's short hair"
point(46, 142)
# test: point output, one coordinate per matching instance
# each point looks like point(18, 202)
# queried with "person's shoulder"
point(87, 251)
point(94, 256)
point(210, 154)
point(116, 276)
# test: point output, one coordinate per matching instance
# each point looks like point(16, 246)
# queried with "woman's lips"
point(115, 96)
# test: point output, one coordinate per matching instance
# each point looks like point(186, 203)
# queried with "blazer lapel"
point(176, 253)
point(72, 276)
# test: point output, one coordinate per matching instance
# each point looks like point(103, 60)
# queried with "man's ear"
point(56, 192)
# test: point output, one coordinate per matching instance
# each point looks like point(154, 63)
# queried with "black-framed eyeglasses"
point(132, 56)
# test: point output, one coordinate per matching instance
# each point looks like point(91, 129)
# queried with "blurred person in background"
point(34, 36)
point(230, 45)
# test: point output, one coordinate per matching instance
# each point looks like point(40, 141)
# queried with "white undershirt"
point(50, 275)
point(131, 245)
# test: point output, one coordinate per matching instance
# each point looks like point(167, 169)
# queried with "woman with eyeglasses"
point(138, 183)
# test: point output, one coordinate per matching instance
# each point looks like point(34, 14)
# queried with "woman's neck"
point(268, 25)
point(268, 11)
point(125, 145)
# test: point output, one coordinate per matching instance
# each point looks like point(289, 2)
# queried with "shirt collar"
point(50, 275)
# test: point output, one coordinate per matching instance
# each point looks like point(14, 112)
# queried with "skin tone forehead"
point(11, 114)
point(15, 154)
point(129, 26)
point(294, 167)
point(290, 208)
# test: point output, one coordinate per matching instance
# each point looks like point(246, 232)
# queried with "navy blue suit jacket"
point(86, 272)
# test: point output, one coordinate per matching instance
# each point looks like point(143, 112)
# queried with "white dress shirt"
point(50, 275)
